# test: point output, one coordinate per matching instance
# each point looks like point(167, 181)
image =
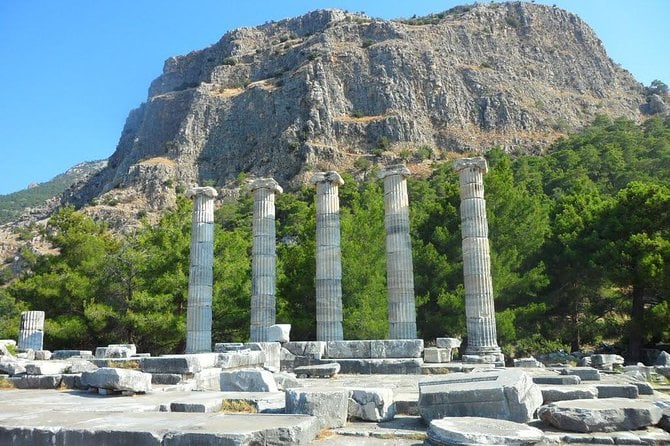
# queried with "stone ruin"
point(276, 391)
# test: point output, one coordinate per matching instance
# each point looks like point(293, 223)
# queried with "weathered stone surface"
point(156, 429)
point(393, 366)
point(584, 373)
point(374, 404)
point(199, 309)
point(47, 367)
point(264, 258)
point(436, 355)
point(328, 256)
point(279, 333)
point(165, 378)
point(207, 379)
point(399, 269)
point(312, 349)
point(31, 330)
point(66, 354)
point(479, 305)
point(481, 431)
point(224, 347)
point(240, 359)
point(557, 380)
point(42, 355)
point(119, 351)
point(248, 380)
point(376, 349)
point(530, 362)
point(506, 394)
point(617, 391)
point(448, 343)
point(606, 360)
point(286, 380)
point(271, 353)
point(11, 366)
point(318, 371)
point(663, 359)
point(396, 348)
point(551, 394)
point(330, 406)
point(72, 381)
point(80, 366)
point(645, 372)
point(182, 364)
point(117, 379)
point(613, 414)
point(36, 381)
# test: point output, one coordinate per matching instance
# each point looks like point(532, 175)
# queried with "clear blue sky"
point(70, 71)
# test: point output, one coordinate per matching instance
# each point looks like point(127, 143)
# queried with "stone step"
point(154, 428)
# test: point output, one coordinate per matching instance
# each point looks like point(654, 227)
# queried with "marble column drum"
point(264, 259)
point(199, 310)
point(479, 310)
point(328, 257)
point(399, 269)
point(31, 330)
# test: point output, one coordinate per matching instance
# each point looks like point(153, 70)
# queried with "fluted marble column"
point(199, 310)
point(264, 258)
point(479, 310)
point(31, 330)
point(328, 257)
point(399, 270)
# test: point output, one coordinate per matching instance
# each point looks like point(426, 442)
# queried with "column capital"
point(266, 183)
point(330, 177)
point(394, 169)
point(467, 163)
point(206, 191)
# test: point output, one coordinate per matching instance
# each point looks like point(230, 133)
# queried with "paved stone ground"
point(142, 413)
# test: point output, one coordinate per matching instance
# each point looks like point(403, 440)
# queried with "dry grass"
point(133, 364)
point(159, 160)
point(238, 406)
point(5, 383)
point(228, 92)
point(360, 119)
point(324, 434)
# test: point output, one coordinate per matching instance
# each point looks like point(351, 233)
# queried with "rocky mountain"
point(34, 200)
point(330, 87)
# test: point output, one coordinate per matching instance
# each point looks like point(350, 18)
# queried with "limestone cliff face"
point(326, 88)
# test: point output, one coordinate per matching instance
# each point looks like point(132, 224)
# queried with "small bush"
point(357, 114)
point(366, 43)
point(230, 61)
point(384, 143)
point(362, 163)
point(424, 153)
point(512, 21)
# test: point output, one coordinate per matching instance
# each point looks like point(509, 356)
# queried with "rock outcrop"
point(322, 90)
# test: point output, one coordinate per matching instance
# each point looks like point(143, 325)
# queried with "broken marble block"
point(117, 380)
point(606, 361)
point(448, 343)
point(481, 431)
point(529, 362)
point(329, 405)
point(610, 415)
point(436, 355)
point(247, 380)
point(318, 371)
point(371, 404)
point(11, 366)
point(508, 394)
point(279, 333)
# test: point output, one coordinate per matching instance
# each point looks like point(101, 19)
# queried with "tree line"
point(580, 252)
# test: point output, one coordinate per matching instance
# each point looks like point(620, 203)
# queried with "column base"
point(490, 355)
